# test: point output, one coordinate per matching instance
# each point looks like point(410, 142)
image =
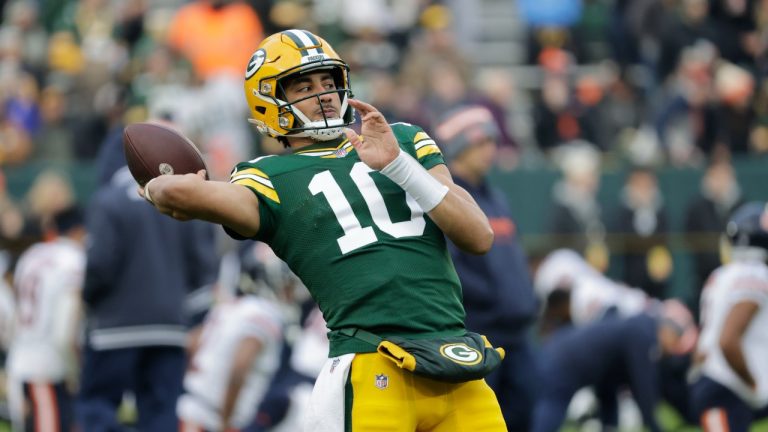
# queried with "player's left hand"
point(377, 146)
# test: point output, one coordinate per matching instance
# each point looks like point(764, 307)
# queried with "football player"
point(233, 360)
point(576, 293)
point(731, 390)
point(47, 283)
point(361, 220)
point(587, 294)
point(610, 354)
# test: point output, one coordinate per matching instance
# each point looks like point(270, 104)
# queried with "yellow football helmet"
point(282, 55)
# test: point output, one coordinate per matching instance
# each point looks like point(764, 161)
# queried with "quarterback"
point(361, 219)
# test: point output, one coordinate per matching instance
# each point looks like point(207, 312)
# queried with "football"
point(152, 149)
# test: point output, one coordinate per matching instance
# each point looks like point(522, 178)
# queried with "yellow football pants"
point(382, 397)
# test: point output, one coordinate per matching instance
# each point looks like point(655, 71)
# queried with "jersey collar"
point(327, 150)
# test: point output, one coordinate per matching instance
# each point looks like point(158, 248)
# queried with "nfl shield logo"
point(382, 381)
point(340, 153)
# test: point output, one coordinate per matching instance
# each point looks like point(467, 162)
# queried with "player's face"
point(326, 106)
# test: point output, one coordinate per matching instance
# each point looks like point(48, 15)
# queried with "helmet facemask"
point(299, 124)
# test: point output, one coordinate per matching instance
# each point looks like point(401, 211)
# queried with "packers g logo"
point(257, 59)
point(461, 353)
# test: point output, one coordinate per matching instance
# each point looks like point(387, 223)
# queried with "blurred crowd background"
point(630, 128)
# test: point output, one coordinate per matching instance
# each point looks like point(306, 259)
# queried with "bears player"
point(574, 292)
point(610, 354)
point(233, 359)
point(731, 390)
point(362, 220)
point(47, 282)
point(566, 277)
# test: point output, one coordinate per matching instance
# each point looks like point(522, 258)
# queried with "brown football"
point(152, 149)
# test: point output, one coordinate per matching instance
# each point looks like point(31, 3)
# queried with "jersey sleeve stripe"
point(253, 177)
point(262, 190)
point(427, 150)
point(254, 171)
point(423, 143)
point(420, 136)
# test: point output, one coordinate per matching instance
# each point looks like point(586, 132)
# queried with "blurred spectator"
point(11, 225)
point(42, 359)
point(737, 37)
point(141, 267)
point(56, 140)
point(447, 89)
point(129, 26)
point(15, 143)
point(640, 225)
point(706, 216)
point(622, 110)
point(22, 107)
point(576, 220)
point(564, 112)
point(370, 49)
point(215, 36)
point(691, 25)
point(435, 44)
point(759, 134)
point(635, 33)
point(589, 99)
point(687, 122)
point(50, 193)
point(497, 92)
point(22, 16)
point(498, 294)
point(734, 88)
point(551, 26)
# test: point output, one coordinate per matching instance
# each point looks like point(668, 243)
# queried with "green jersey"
point(364, 248)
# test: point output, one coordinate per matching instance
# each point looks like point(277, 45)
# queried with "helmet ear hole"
point(260, 109)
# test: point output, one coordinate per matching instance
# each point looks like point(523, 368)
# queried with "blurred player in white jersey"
point(235, 354)
point(47, 282)
point(731, 388)
point(7, 306)
point(575, 293)
point(586, 294)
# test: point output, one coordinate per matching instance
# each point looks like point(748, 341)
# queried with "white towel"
point(326, 408)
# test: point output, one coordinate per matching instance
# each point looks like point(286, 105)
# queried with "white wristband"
point(146, 191)
point(414, 179)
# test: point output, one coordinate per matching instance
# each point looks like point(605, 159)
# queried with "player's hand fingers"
point(373, 117)
point(203, 174)
point(353, 137)
point(362, 107)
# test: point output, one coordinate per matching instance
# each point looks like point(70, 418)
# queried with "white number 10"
point(355, 236)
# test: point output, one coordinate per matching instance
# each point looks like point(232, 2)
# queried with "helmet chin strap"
point(322, 130)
